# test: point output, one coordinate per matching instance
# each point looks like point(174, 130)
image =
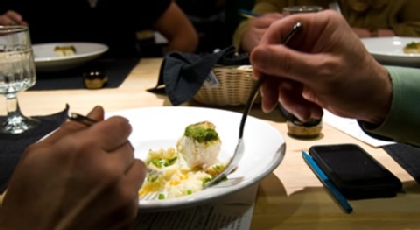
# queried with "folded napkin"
point(407, 156)
point(13, 145)
point(182, 75)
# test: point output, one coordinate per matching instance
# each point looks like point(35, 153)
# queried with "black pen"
point(81, 119)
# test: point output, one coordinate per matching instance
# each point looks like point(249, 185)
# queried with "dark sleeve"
point(148, 12)
point(6, 5)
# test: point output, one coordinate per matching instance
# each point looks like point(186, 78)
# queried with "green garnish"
point(171, 161)
point(160, 163)
point(152, 179)
point(206, 180)
point(189, 192)
point(201, 132)
point(161, 196)
point(412, 45)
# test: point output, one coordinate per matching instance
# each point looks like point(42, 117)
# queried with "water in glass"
point(17, 73)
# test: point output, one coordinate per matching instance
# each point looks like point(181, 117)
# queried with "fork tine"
point(149, 196)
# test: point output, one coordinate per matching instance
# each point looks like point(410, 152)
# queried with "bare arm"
point(175, 26)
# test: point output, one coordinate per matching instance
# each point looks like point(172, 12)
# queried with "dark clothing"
point(113, 22)
point(208, 18)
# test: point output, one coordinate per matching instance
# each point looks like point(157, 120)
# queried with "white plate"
point(47, 60)
point(389, 50)
point(160, 127)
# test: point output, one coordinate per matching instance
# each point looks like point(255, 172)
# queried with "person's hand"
point(77, 178)
point(325, 66)
point(256, 30)
point(12, 18)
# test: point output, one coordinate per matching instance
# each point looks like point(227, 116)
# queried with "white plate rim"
point(89, 54)
point(394, 38)
point(193, 200)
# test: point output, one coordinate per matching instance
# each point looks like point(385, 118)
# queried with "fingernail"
point(93, 112)
point(299, 117)
point(316, 115)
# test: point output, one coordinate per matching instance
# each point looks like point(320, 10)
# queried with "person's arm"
point(408, 22)
point(175, 26)
point(261, 7)
point(403, 121)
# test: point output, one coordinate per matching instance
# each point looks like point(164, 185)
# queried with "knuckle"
point(283, 66)
point(74, 146)
point(120, 122)
point(109, 170)
point(328, 67)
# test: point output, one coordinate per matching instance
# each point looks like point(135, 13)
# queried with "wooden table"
point(291, 197)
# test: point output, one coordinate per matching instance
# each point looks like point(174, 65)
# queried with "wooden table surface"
point(291, 197)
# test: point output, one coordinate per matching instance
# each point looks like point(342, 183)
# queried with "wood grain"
point(289, 198)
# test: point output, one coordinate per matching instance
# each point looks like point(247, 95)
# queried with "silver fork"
point(335, 6)
point(239, 150)
point(150, 196)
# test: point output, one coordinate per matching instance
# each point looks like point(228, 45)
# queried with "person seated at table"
point(327, 66)
point(111, 22)
point(93, 166)
point(77, 178)
point(367, 18)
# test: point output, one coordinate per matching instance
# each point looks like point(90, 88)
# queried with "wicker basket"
point(235, 86)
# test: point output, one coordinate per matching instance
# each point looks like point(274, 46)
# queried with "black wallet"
point(355, 173)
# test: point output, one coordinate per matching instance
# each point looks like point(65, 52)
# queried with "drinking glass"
point(300, 10)
point(17, 73)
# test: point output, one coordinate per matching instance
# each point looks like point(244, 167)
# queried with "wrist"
point(381, 99)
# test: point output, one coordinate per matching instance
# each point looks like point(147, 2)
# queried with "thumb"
point(17, 18)
point(279, 61)
point(97, 113)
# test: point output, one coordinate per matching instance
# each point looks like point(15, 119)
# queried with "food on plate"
point(200, 145)
point(65, 51)
point(413, 47)
point(184, 170)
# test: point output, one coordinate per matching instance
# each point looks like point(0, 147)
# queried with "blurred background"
point(214, 20)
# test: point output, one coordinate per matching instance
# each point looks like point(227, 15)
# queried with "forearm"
point(176, 27)
point(186, 44)
point(403, 121)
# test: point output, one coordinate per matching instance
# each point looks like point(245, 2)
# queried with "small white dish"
point(160, 127)
point(390, 50)
point(47, 60)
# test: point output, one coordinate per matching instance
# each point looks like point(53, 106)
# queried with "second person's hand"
point(257, 28)
point(77, 178)
point(325, 66)
point(12, 18)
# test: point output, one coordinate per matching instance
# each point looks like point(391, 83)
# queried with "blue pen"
point(327, 183)
point(248, 13)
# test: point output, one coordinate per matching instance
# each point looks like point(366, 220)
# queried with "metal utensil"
point(81, 119)
point(239, 150)
point(335, 6)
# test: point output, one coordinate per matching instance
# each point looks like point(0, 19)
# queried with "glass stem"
point(14, 115)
